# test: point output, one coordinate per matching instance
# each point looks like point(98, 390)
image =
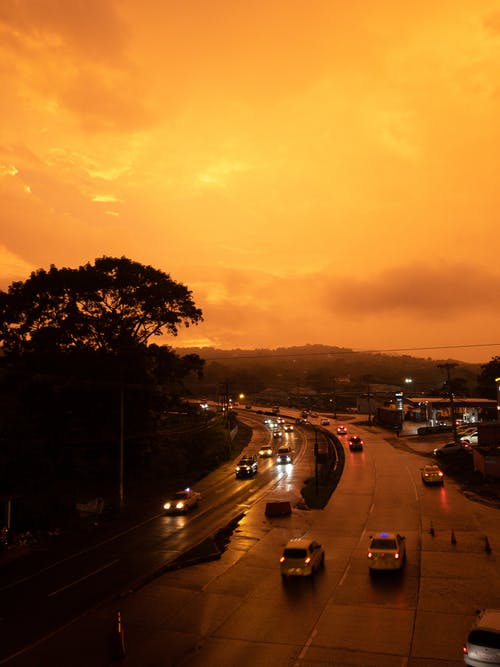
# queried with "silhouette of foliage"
point(111, 305)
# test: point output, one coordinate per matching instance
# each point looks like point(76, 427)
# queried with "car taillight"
point(464, 649)
point(396, 556)
point(282, 559)
point(307, 561)
point(440, 474)
point(370, 555)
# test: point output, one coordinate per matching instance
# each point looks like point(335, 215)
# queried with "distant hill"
point(321, 366)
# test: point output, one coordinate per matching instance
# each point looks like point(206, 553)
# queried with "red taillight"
point(307, 561)
point(396, 556)
point(464, 649)
point(440, 474)
point(282, 559)
point(370, 555)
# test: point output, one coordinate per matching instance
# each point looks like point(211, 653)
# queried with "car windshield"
point(295, 553)
point(355, 439)
point(485, 638)
point(180, 495)
point(246, 462)
point(383, 543)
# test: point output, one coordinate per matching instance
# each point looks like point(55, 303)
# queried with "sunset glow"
point(315, 172)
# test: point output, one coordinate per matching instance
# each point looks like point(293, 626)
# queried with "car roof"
point(384, 535)
point(299, 543)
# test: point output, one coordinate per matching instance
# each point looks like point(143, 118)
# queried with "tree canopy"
point(487, 378)
point(112, 305)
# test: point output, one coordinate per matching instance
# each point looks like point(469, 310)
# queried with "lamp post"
point(334, 389)
point(120, 464)
point(497, 382)
point(447, 367)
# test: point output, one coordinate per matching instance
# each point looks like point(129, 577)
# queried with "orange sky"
point(315, 172)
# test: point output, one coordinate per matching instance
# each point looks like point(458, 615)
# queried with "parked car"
point(387, 551)
point(469, 438)
point(432, 474)
point(247, 467)
point(182, 501)
point(341, 430)
point(355, 443)
point(301, 558)
point(451, 448)
point(482, 646)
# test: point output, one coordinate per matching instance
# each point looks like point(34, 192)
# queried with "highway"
point(40, 595)
point(237, 611)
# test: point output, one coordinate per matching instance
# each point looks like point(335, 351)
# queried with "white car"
point(182, 501)
point(469, 438)
point(301, 557)
point(341, 430)
point(387, 551)
point(265, 451)
point(325, 422)
point(432, 474)
point(482, 646)
point(284, 455)
point(451, 448)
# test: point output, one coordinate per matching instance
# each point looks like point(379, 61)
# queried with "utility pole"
point(120, 472)
point(447, 367)
point(334, 387)
point(316, 458)
point(368, 379)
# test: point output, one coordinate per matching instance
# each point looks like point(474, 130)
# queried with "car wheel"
point(322, 562)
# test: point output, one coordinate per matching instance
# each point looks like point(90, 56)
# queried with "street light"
point(448, 367)
point(497, 381)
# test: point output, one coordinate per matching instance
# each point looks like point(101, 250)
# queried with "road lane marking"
point(87, 576)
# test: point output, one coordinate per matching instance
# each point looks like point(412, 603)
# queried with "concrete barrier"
point(278, 508)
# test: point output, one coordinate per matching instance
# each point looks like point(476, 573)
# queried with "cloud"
point(12, 267)
point(90, 28)
point(421, 289)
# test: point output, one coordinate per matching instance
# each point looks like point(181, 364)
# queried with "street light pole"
point(448, 366)
point(121, 446)
point(334, 387)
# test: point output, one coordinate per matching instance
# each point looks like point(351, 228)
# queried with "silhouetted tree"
point(486, 379)
point(111, 305)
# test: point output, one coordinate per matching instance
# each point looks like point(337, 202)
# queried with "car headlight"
point(180, 505)
point(237, 468)
point(166, 506)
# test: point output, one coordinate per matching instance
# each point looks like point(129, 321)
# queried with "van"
point(482, 646)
